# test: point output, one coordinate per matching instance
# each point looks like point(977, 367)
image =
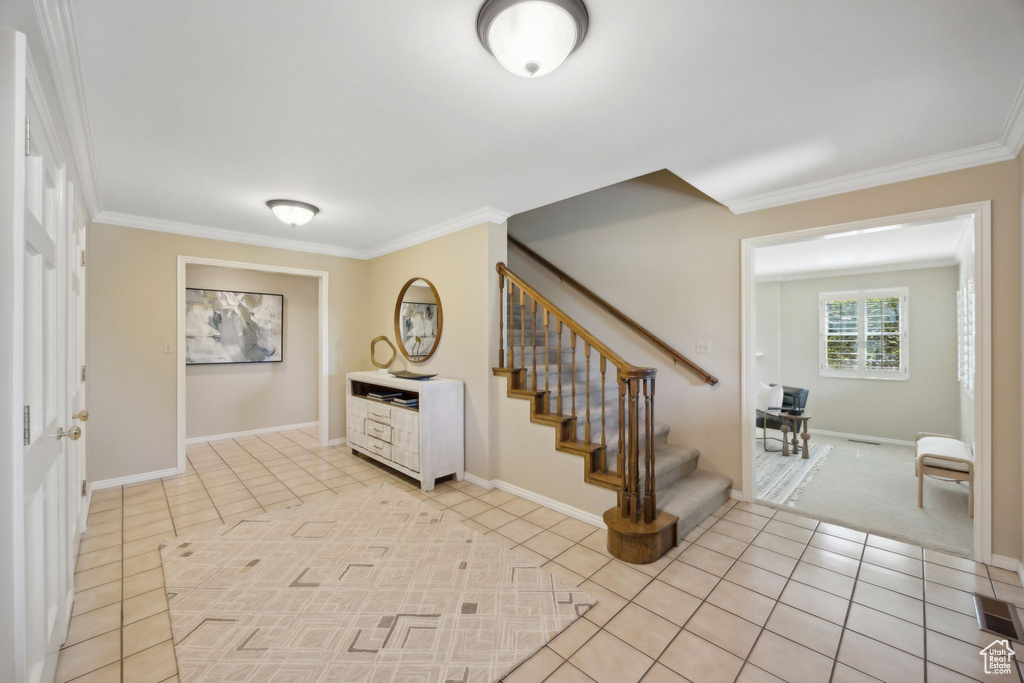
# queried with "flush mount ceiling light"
point(532, 38)
point(292, 212)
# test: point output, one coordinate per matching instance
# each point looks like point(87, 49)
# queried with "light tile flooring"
point(753, 595)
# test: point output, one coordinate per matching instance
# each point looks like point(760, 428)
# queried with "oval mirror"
point(418, 319)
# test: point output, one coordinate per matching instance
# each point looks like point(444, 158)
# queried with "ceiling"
point(916, 245)
point(392, 118)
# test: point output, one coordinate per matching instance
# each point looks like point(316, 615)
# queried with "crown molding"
point(940, 163)
point(192, 230)
point(58, 28)
point(483, 215)
point(1011, 140)
point(486, 214)
point(943, 262)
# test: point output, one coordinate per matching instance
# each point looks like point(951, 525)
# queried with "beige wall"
point(768, 361)
point(132, 310)
point(238, 397)
point(927, 402)
point(670, 257)
point(461, 268)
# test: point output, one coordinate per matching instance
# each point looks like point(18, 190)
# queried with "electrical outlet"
point(168, 347)
point(703, 346)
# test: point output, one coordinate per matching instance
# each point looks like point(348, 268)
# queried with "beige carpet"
point(367, 586)
point(873, 489)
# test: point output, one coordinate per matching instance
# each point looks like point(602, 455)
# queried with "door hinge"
point(83, 487)
point(83, 258)
point(28, 136)
point(27, 434)
point(83, 373)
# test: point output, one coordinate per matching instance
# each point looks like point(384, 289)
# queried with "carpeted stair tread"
point(671, 463)
point(694, 497)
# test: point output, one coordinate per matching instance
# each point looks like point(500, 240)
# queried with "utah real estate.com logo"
point(998, 657)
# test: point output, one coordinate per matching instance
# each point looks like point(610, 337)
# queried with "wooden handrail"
point(625, 369)
point(617, 314)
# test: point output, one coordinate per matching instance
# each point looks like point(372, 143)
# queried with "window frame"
point(862, 371)
point(965, 328)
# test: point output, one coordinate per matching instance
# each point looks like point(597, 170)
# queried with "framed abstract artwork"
point(233, 327)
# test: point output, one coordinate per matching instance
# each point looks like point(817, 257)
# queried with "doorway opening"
point(862, 343)
point(277, 380)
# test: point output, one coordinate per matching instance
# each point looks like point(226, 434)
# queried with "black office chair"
point(792, 397)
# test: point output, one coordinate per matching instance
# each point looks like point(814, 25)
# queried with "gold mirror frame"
point(398, 313)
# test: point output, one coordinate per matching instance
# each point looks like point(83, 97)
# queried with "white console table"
point(426, 442)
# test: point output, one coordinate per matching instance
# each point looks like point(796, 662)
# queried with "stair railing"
point(637, 498)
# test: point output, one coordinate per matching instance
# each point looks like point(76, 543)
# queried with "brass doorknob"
point(75, 433)
point(82, 415)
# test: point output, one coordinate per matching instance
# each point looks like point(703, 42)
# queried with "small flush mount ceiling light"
point(532, 38)
point(292, 212)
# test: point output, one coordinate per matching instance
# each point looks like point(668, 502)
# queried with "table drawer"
point(378, 431)
point(378, 447)
point(379, 413)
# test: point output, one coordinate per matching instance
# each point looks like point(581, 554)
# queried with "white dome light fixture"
point(292, 212)
point(532, 38)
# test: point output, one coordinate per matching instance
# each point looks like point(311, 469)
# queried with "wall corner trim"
point(558, 506)
point(486, 214)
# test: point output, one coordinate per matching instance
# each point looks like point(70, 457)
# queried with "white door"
point(45, 505)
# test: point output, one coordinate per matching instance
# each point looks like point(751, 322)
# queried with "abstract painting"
point(233, 327)
point(419, 328)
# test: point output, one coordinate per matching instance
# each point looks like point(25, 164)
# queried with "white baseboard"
point(337, 442)
point(736, 494)
point(1011, 564)
point(862, 437)
point(558, 506)
point(133, 479)
point(251, 432)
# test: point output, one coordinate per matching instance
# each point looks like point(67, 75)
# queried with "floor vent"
point(998, 617)
point(870, 443)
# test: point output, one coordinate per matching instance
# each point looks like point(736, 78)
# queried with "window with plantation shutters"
point(864, 334)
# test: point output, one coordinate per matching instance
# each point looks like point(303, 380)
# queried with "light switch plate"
point(703, 346)
point(168, 347)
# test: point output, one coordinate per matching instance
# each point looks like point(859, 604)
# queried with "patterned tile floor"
point(752, 595)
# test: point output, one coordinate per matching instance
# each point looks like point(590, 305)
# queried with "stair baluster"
point(547, 356)
point(533, 340)
point(511, 350)
point(604, 441)
point(633, 448)
point(559, 406)
point(572, 380)
point(522, 331)
point(501, 321)
point(586, 427)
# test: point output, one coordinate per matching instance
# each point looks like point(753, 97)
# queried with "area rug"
point(367, 586)
point(780, 479)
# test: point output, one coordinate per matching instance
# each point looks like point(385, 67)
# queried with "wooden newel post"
point(620, 456)
point(634, 450)
point(501, 320)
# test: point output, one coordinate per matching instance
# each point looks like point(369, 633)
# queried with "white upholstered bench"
point(944, 456)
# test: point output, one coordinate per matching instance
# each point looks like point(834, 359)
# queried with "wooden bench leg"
point(920, 486)
point(970, 494)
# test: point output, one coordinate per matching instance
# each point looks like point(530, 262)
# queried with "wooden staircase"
point(602, 409)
